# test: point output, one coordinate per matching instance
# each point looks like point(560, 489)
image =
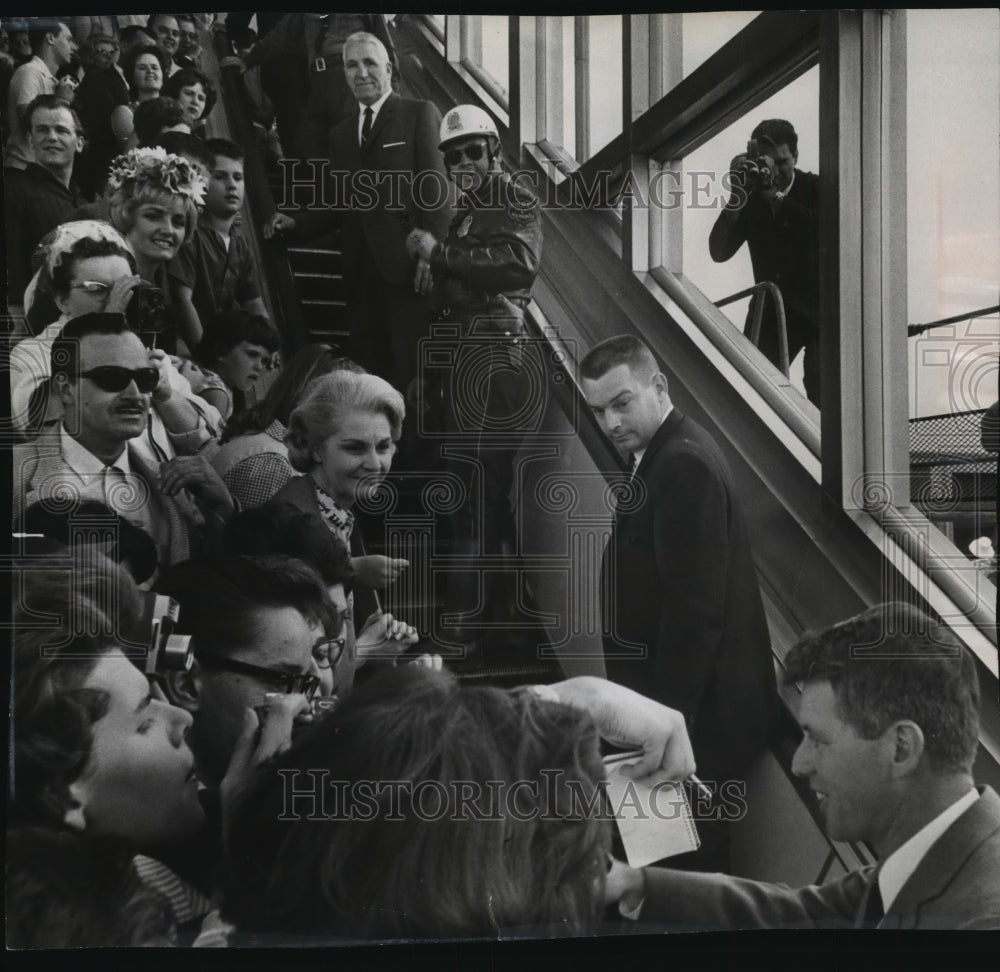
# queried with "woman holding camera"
point(89, 267)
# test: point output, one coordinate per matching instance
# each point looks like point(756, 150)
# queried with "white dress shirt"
point(903, 861)
point(376, 108)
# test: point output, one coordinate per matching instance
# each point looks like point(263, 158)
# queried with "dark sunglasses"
point(307, 685)
point(473, 153)
point(112, 378)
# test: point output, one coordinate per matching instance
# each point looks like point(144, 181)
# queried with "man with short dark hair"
point(774, 209)
point(52, 47)
point(214, 271)
point(105, 378)
point(42, 195)
point(189, 49)
point(684, 618)
point(255, 624)
point(166, 34)
point(889, 709)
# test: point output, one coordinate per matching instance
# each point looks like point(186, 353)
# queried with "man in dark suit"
point(684, 623)
point(890, 713)
point(389, 179)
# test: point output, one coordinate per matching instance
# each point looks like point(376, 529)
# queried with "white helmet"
point(464, 121)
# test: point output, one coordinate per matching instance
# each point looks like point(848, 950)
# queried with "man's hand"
point(423, 279)
point(420, 243)
point(194, 474)
point(278, 225)
point(66, 88)
point(160, 360)
point(627, 719)
point(384, 636)
point(121, 293)
point(377, 571)
point(261, 738)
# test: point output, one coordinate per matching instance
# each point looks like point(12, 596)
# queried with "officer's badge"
point(453, 122)
point(464, 226)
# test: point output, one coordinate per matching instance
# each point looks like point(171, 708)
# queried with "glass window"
point(953, 267)
point(496, 52)
point(705, 33)
point(702, 191)
point(604, 72)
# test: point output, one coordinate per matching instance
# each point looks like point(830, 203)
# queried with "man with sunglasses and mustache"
point(483, 271)
point(104, 378)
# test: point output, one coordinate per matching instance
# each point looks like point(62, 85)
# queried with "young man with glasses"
point(258, 626)
point(105, 379)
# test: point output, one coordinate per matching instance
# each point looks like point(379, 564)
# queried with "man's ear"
point(63, 389)
point(907, 739)
point(183, 689)
point(75, 818)
point(660, 382)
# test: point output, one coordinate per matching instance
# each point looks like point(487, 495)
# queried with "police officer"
point(493, 389)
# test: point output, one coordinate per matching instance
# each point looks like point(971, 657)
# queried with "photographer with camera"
point(482, 272)
point(774, 209)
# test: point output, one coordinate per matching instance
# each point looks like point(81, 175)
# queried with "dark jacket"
point(494, 246)
point(686, 624)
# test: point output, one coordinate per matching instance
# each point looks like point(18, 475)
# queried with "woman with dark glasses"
point(496, 385)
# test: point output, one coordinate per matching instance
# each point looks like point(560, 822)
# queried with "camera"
point(757, 169)
point(494, 379)
point(147, 313)
point(166, 650)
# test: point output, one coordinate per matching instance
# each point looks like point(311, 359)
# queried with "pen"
point(706, 793)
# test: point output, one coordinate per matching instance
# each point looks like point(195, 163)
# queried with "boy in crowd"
point(214, 271)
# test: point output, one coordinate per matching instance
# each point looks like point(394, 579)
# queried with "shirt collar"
point(782, 194)
point(639, 453)
point(340, 521)
point(903, 861)
point(83, 462)
point(376, 108)
point(38, 64)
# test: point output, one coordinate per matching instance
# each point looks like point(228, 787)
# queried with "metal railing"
point(757, 294)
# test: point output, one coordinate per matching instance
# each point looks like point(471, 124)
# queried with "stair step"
point(320, 287)
point(319, 261)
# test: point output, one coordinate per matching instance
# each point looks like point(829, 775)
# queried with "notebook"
point(653, 814)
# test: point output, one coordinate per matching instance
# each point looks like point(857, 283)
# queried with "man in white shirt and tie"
point(389, 179)
point(102, 374)
point(889, 709)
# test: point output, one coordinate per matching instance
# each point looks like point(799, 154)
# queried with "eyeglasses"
point(327, 653)
point(307, 685)
point(473, 153)
point(112, 378)
point(92, 287)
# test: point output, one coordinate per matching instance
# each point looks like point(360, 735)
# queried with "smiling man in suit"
point(389, 179)
point(890, 718)
point(684, 620)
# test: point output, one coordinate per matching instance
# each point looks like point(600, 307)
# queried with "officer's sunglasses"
point(473, 153)
point(113, 378)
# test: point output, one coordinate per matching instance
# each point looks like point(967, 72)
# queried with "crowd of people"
point(224, 737)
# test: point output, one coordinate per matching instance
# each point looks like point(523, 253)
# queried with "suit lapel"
point(660, 438)
point(945, 859)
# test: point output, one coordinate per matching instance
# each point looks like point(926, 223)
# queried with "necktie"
point(366, 126)
point(632, 464)
point(874, 910)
